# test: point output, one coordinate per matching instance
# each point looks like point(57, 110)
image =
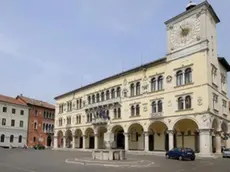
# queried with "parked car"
point(181, 154)
point(39, 147)
point(226, 153)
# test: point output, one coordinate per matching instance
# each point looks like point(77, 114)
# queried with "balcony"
point(104, 103)
point(99, 121)
point(156, 115)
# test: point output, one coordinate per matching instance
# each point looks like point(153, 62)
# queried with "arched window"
point(80, 104)
point(80, 119)
point(20, 139)
point(115, 113)
point(47, 127)
point(153, 84)
point(118, 92)
point(44, 126)
point(132, 90)
point(35, 125)
point(138, 88)
point(2, 138)
point(107, 114)
point(154, 107)
point(119, 113)
point(132, 111)
point(91, 117)
point(93, 99)
point(89, 100)
point(188, 102)
point(88, 118)
point(98, 97)
point(137, 110)
point(107, 95)
point(11, 138)
point(160, 83)
point(180, 103)
point(112, 93)
point(179, 78)
point(159, 104)
point(102, 96)
point(188, 75)
point(77, 104)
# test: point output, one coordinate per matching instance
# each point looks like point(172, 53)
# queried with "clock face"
point(184, 33)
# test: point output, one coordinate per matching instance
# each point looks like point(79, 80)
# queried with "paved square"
point(19, 160)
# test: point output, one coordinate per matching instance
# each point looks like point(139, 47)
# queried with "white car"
point(226, 153)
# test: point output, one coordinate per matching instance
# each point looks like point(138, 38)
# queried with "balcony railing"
point(103, 103)
point(99, 121)
point(156, 115)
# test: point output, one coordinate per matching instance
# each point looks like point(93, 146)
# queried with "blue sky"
point(50, 47)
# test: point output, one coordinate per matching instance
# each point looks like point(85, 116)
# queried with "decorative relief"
point(145, 109)
point(199, 101)
point(206, 120)
point(169, 78)
point(169, 103)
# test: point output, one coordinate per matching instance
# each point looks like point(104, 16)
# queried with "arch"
point(60, 139)
point(186, 133)
point(78, 136)
point(157, 126)
point(89, 138)
point(68, 138)
point(215, 124)
point(119, 139)
point(136, 134)
point(224, 127)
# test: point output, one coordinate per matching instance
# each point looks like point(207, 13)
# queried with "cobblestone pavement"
point(29, 160)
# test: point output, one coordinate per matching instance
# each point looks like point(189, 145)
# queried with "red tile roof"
point(11, 100)
point(35, 102)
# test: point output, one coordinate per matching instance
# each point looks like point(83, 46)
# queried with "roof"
point(30, 101)
point(206, 3)
point(156, 62)
point(11, 100)
point(224, 63)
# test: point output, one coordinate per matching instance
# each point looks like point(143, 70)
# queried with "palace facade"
point(179, 100)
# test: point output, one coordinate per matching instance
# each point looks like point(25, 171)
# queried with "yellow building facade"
point(176, 101)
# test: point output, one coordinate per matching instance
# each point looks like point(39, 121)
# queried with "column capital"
point(170, 131)
point(146, 133)
point(126, 134)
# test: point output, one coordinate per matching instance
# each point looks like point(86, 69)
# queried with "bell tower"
point(192, 31)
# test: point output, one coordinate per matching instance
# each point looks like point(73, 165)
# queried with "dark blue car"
point(181, 154)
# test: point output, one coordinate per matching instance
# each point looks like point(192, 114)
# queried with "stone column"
point(55, 144)
point(126, 141)
point(205, 142)
point(84, 142)
point(146, 134)
point(96, 141)
point(73, 142)
point(171, 139)
point(218, 143)
point(64, 142)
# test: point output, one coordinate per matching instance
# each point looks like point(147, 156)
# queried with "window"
point(153, 84)
point(44, 114)
point(119, 113)
point(4, 109)
point(223, 83)
point(188, 76)
point(69, 106)
point(77, 104)
point(69, 120)
point(107, 114)
point(91, 117)
point(159, 104)
point(112, 93)
point(179, 78)
point(138, 88)
point(137, 110)
point(98, 97)
point(13, 111)
point(107, 95)
point(22, 112)
point(34, 139)
point(44, 127)
point(102, 96)
point(35, 126)
point(80, 102)
point(11, 138)
point(180, 103)
point(93, 99)
point(215, 101)
point(160, 83)
point(89, 100)
point(61, 108)
point(20, 139)
point(36, 113)
point(21, 124)
point(214, 75)
point(12, 122)
point(60, 122)
point(132, 90)
point(132, 111)
point(88, 118)
point(154, 107)
point(118, 92)
point(2, 138)
point(3, 121)
point(188, 102)
point(115, 113)
point(224, 105)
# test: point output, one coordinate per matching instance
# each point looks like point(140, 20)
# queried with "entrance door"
point(91, 142)
point(81, 142)
point(151, 143)
point(49, 141)
point(120, 141)
point(166, 141)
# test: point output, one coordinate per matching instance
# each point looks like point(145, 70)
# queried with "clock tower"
point(192, 31)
